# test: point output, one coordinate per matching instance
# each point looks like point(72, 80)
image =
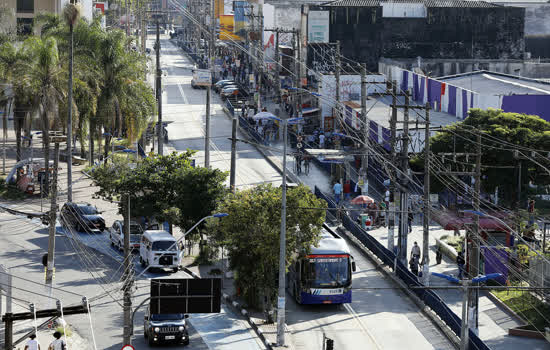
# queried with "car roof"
point(158, 235)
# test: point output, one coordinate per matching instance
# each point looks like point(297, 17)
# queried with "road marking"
point(185, 100)
point(361, 324)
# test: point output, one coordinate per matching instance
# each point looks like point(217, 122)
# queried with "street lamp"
point(466, 284)
point(282, 247)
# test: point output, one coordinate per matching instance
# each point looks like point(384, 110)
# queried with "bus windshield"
point(327, 271)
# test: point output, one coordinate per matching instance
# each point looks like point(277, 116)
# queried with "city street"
point(377, 319)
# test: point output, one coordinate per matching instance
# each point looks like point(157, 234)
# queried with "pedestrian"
point(321, 140)
point(337, 189)
point(298, 163)
point(307, 159)
point(58, 343)
point(347, 190)
point(410, 218)
point(438, 255)
point(383, 209)
point(415, 251)
point(413, 265)
point(460, 262)
point(32, 344)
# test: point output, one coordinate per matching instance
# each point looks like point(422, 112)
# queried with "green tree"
point(499, 167)
point(251, 234)
point(164, 187)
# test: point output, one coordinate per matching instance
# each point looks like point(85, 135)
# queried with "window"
point(25, 6)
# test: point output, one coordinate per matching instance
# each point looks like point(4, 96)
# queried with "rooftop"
point(492, 83)
point(428, 3)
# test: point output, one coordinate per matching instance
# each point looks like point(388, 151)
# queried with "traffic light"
point(330, 344)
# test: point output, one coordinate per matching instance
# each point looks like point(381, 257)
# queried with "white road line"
point(185, 100)
point(362, 325)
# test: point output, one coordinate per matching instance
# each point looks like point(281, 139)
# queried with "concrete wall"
point(481, 33)
point(443, 67)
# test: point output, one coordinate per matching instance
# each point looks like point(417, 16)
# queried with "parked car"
point(219, 88)
point(83, 217)
point(161, 328)
point(232, 91)
point(116, 234)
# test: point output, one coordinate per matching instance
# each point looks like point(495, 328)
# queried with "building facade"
point(371, 29)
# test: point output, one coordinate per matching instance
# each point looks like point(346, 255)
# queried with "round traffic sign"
point(128, 347)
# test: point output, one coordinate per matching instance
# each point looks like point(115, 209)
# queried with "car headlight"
point(181, 328)
point(157, 329)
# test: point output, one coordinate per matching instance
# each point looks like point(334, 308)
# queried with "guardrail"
point(430, 298)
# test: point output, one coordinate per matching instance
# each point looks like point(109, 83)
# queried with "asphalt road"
point(376, 319)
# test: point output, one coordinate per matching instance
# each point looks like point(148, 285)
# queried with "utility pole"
point(128, 277)
point(233, 172)
point(464, 329)
point(209, 87)
point(365, 160)
point(473, 261)
point(392, 189)
point(69, 122)
point(282, 252)
point(260, 51)
point(426, 200)
point(160, 136)
point(53, 212)
point(277, 70)
point(337, 74)
point(403, 181)
point(298, 75)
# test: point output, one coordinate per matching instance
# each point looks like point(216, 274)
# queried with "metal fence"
point(431, 299)
point(539, 275)
point(246, 125)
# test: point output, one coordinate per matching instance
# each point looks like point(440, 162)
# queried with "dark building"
point(371, 29)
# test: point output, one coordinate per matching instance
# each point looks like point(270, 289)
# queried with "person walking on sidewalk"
point(460, 262)
point(413, 265)
point(415, 251)
point(438, 255)
point(321, 140)
point(58, 343)
point(410, 220)
point(307, 159)
point(32, 344)
point(337, 188)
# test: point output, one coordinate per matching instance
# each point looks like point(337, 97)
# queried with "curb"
point(506, 308)
point(449, 334)
point(238, 307)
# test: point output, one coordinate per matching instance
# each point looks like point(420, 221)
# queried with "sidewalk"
point(494, 321)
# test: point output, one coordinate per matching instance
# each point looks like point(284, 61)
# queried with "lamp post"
point(282, 244)
point(466, 284)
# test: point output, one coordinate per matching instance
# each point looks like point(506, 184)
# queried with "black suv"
point(163, 328)
point(82, 217)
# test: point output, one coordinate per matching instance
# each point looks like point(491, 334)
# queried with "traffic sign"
point(128, 347)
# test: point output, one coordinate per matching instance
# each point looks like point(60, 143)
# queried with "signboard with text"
point(318, 26)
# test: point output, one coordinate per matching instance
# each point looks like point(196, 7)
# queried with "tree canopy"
point(501, 134)
point(251, 234)
point(165, 187)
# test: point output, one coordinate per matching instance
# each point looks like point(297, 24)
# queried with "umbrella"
point(263, 115)
point(362, 200)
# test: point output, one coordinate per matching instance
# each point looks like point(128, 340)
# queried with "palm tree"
point(71, 13)
point(40, 73)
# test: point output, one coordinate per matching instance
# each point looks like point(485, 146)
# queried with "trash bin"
point(366, 221)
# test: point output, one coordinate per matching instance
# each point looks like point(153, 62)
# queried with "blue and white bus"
point(324, 275)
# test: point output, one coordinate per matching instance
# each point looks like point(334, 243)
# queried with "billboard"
point(183, 295)
point(318, 26)
point(227, 28)
point(241, 8)
point(218, 8)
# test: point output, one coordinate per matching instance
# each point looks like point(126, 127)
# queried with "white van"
point(159, 249)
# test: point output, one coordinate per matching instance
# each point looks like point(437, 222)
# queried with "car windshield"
point(167, 317)
point(164, 245)
point(87, 210)
point(135, 229)
point(327, 271)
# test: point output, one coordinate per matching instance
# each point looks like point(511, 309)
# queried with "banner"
point(318, 26)
point(226, 28)
point(241, 8)
point(218, 8)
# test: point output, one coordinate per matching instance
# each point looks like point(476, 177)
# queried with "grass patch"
point(10, 191)
point(528, 307)
point(454, 241)
point(62, 330)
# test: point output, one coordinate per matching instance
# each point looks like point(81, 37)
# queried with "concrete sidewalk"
point(494, 321)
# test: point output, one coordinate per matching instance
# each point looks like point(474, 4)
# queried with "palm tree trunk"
point(46, 142)
point(81, 136)
point(7, 111)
